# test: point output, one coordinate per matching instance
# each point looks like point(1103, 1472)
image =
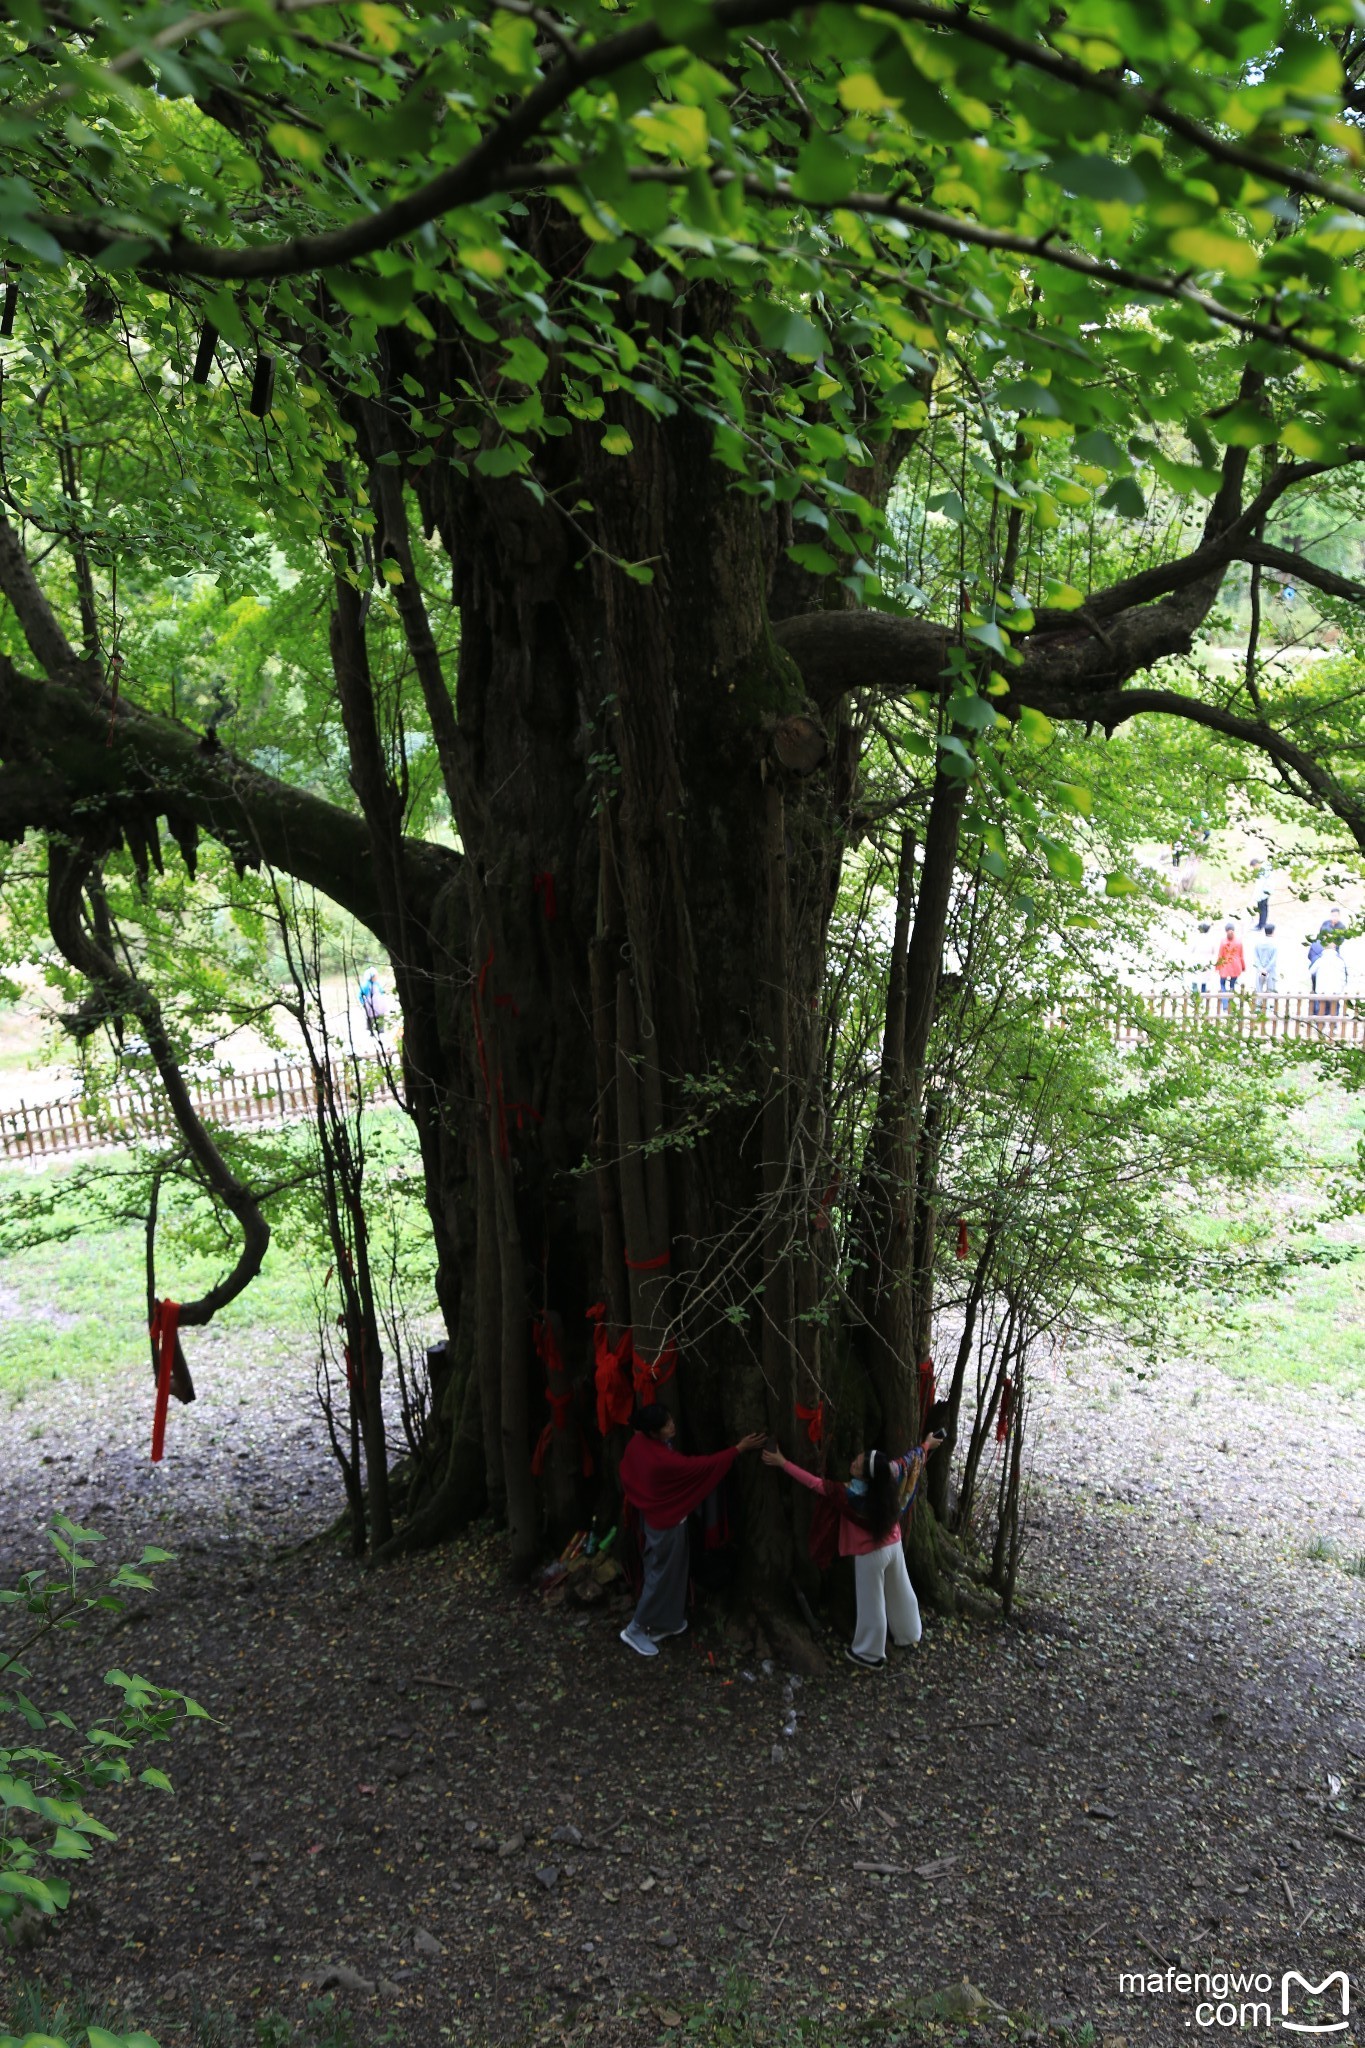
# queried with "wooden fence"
point(283, 1094)
point(134, 1113)
point(1308, 1019)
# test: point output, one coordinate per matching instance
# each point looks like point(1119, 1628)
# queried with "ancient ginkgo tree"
point(599, 344)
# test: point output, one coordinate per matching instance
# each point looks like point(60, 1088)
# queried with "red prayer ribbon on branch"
point(814, 1419)
point(962, 1245)
point(544, 886)
point(1002, 1420)
point(165, 1319)
point(649, 1265)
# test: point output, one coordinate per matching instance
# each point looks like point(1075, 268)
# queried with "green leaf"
point(950, 505)
point(1064, 862)
point(1095, 177)
point(971, 712)
point(1119, 884)
point(810, 556)
point(1213, 248)
point(1062, 597)
point(1124, 496)
point(1244, 426)
point(1034, 726)
point(824, 171)
point(988, 634)
point(1074, 796)
point(1095, 446)
point(789, 332)
point(67, 1845)
point(616, 441)
point(34, 1891)
point(507, 459)
point(524, 362)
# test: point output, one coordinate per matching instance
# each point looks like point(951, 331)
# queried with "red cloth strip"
point(651, 1374)
point(611, 1371)
point(546, 1341)
point(814, 1418)
point(926, 1390)
point(962, 1245)
point(543, 885)
point(1002, 1420)
point(165, 1318)
point(649, 1265)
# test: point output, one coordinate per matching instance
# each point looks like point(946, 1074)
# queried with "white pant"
point(884, 1593)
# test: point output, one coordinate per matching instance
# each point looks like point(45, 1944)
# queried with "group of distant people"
point(663, 1486)
point(1328, 973)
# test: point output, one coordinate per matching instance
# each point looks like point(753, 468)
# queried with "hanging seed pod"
point(203, 361)
point(262, 386)
point(10, 308)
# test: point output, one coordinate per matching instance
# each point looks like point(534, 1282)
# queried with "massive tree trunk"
point(642, 793)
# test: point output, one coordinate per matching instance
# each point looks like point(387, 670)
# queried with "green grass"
point(1310, 1335)
point(1309, 1330)
point(78, 1310)
point(73, 1262)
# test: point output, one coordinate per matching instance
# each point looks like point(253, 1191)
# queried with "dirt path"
point(1165, 1767)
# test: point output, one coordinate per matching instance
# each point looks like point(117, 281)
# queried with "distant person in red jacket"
point(663, 1487)
point(1231, 962)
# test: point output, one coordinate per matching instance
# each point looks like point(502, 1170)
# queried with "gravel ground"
point(499, 1824)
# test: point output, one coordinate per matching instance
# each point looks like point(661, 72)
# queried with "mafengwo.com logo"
point(1243, 2001)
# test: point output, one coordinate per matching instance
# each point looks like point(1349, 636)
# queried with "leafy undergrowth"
point(955, 2017)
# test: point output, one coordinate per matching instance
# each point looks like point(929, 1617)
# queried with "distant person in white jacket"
point(1265, 963)
point(1332, 982)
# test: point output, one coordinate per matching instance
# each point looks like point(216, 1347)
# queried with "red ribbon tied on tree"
point(611, 1371)
point(652, 1373)
point(1003, 1419)
point(165, 1321)
point(814, 1419)
point(962, 1245)
point(546, 1340)
point(926, 1389)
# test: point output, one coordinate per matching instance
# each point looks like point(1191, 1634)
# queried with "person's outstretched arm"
point(832, 1489)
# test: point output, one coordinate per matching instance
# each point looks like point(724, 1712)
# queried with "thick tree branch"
point(483, 170)
point(1304, 571)
point(849, 650)
point(1115, 708)
point(1220, 547)
point(1043, 248)
point(39, 622)
point(70, 873)
point(82, 759)
point(1072, 676)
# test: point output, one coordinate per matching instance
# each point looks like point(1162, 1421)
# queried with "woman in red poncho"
point(663, 1487)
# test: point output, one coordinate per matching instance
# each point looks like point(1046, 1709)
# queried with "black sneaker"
point(864, 1663)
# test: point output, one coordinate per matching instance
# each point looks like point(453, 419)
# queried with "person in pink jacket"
point(870, 1508)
